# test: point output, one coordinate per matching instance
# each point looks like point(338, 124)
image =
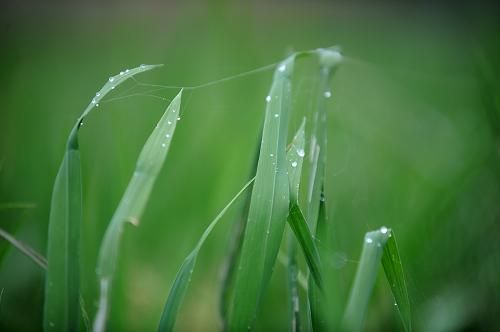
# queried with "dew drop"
point(301, 153)
point(271, 155)
point(368, 240)
point(169, 122)
point(384, 230)
point(276, 115)
point(327, 94)
point(268, 98)
point(163, 145)
point(113, 87)
point(178, 118)
point(126, 71)
point(282, 68)
point(97, 94)
point(97, 105)
point(94, 101)
point(111, 79)
point(142, 66)
point(167, 135)
point(294, 164)
point(122, 73)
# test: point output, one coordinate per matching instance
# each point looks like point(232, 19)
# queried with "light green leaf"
point(183, 277)
point(61, 308)
point(134, 201)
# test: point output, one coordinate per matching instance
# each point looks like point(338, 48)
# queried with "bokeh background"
point(414, 144)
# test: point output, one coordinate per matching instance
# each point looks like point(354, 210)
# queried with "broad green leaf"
point(25, 249)
point(61, 308)
point(378, 246)
point(183, 277)
point(395, 276)
point(133, 202)
point(268, 207)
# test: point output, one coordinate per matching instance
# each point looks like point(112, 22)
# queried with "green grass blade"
point(369, 264)
point(302, 233)
point(316, 298)
point(268, 207)
point(61, 307)
point(293, 284)
point(25, 249)
point(296, 220)
point(395, 276)
point(134, 201)
point(183, 277)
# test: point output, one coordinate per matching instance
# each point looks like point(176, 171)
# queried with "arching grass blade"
point(62, 289)
point(133, 202)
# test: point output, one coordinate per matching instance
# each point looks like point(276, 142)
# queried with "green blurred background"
point(414, 144)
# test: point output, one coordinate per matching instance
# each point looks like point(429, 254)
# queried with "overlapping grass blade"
point(183, 277)
point(395, 276)
point(329, 59)
point(133, 202)
point(268, 207)
point(25, 249)
point(378, 246)
point(61, 308)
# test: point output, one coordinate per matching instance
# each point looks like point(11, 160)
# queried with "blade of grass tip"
point(394, 273)
point(268, 206)
point(133, 202)
point(25, 249)
point(369, 264)
point(183, 277)
point(62, 282)
point(230, 264)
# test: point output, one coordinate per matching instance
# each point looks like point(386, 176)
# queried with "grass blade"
point(183, 277)
point(134, 201)
point(379, 246)
point(268, 207)
point(61, 307)
point(395, 276)
point(25, 249)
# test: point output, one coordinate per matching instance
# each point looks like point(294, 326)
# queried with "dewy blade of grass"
point(296, 220)
point(394, 273)
point(183, 277)
point(25, 249)
point(133, 202)
point(268, 207)
point(378, 246)
point(61, 307)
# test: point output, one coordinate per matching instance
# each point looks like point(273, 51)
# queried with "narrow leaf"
point(134, 201)
point(395, 276)
point(268, 207)
point(369, 264)
point(183, 277)
point(61, 307)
